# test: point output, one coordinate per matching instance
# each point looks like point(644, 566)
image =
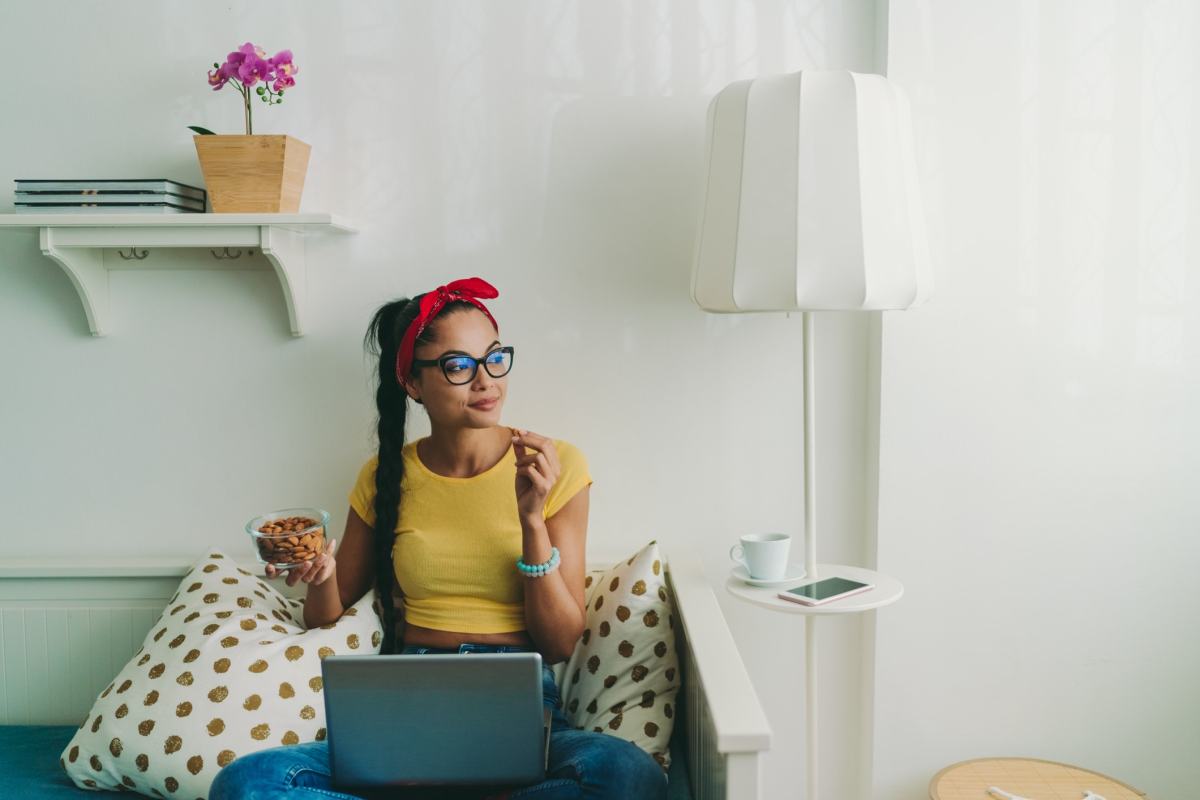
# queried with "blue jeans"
point(583, 764)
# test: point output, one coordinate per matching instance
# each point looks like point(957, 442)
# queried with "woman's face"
point(468, 332)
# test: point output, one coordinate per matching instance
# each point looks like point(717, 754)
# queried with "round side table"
point(887, 590)
point(1025, 777)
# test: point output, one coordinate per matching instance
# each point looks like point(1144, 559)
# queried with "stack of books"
point(108, 196)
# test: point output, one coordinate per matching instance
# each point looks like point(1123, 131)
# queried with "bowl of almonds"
point(289, 537)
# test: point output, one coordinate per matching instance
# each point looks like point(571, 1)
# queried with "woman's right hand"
point(314, 572)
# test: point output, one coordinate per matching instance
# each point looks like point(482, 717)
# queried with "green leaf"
point(202, 131)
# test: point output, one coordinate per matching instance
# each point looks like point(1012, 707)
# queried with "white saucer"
point(741, 574)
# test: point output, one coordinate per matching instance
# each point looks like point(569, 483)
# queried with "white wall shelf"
point(87, 247)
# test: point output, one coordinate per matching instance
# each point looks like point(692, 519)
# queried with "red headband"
point(467, 289)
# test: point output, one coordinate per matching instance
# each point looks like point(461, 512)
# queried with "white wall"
point(551, 147)
point(1038, 434)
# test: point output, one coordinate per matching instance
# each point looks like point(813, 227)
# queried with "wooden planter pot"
point(253, 173)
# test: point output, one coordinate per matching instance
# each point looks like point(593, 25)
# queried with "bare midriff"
point(430, 637)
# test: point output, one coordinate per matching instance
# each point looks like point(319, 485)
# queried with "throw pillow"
point(228, 669)
point(623, 677)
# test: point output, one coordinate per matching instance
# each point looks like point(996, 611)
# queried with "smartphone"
point(824, 591)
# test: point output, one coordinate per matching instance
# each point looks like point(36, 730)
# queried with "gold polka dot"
point(656, 567)
point(96, 722)
point(172, 745)
point(294, 652)
point(143, 762)
point(260, 732)
point(279, 629)
point(259, 666)
point(157, 670)
point(124, 686)
point(248, 624)
point(639, 673)
point(121, 711)
point(625, 648)
point(352, 641)
point(252, 702)
point(605, 628)
point(218, 694)
point(286, 690)
point(225, 757)
point(215, 555)
point(223, 614)
point(221, 665)
point(639, 588)
point(617, 708)
point(191, 656)
point(210, 629)
point(612, 586)
point(74, 754)
point(197, 584)
point(106, 691)
point(145, 727)
point(320, 737)
point(184, 679)
point(324, 651)
point(316, 683)
point(128, 781)
point(376, 638)
point(308, 712)
point(211, 597)
point(244, 602)
point(178, 640)
point(260, 615)
point(599, 602)
point(622, 613)
point(230, 580)
point(229, 641)
point(171, 784)
point(290, 737)
point(648, 698)
point(160, 633)
point(260, 594)
point(183, 709)
point(195, 764)
point(208, 568)
point(650, 618)
point(662, 594)
point(95, 762)
point(151, 698)
point(88, 782)
point(349, 612)
point(615, 722)
point(215, 726)
point(143, 659)
point(191, 616)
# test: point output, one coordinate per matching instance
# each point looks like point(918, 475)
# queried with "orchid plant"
point(249, 68)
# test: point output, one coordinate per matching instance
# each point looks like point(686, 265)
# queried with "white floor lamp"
point(811, 205)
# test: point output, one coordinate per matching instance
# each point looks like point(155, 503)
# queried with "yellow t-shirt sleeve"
point(362, 496)
point(573, 475)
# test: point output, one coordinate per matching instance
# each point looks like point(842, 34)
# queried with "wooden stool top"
point(1025, 777)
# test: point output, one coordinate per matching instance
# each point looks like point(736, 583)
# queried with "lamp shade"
point(811, 200)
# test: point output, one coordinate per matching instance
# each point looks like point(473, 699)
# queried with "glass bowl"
point(289, 537)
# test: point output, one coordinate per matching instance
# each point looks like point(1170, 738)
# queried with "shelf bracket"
point(285, 250)
point(85, 267)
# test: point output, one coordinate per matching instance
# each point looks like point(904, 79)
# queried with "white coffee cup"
point(764, 555)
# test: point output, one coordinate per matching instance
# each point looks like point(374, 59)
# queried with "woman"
point(485, 528)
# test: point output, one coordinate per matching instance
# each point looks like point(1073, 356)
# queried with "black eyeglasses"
point(460, 369)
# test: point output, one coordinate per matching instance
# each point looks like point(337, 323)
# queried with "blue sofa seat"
point(29, 765)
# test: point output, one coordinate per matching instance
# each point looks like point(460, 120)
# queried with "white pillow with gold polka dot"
point(228, 669)
point(623, 677)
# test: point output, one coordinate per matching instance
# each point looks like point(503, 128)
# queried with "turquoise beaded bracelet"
point(538, 570)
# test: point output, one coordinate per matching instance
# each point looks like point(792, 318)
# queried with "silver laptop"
point(439, 719)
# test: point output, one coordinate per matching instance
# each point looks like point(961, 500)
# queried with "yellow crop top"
point(458, 539)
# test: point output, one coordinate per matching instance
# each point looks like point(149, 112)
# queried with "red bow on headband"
point(467, 289)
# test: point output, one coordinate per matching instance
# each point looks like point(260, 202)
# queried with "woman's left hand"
point(537, 472)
